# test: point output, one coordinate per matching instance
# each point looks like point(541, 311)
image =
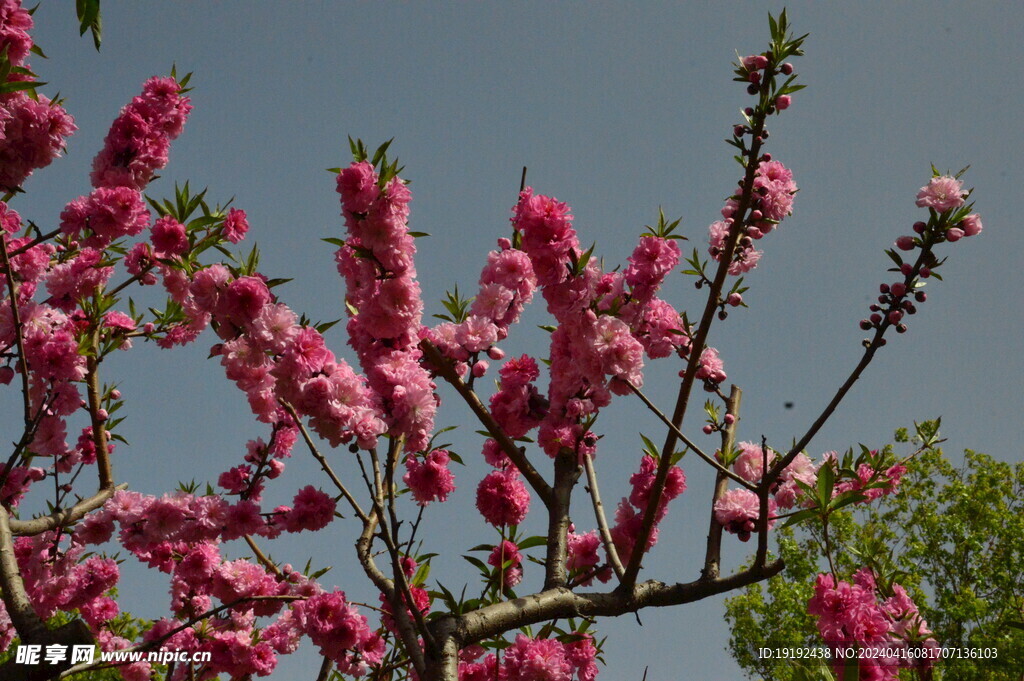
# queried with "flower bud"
point(787, 69)
point(971, 224)
point(504, 244)
point(495, 353)
point(919, 227)
point(708, 429)
point(6, 375)
point(479, 369)
point(926, 272)
point(905, 243)
point(734, 299)
point(738, 131)
point(906, 268)
point(954, 234)
point(729, 419)
point(782, 102)
point(920, 296)
point(865, 324)
point(895, 316)
point(899, 289)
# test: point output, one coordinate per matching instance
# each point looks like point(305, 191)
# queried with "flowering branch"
point(696, 347)
point(447, 372)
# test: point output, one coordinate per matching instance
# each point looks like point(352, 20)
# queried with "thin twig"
point(713, 553)
point(18, 333)
point(602, 520)
point(262, 557)
point(686, 441)
point(323, 463)
point(35, 242)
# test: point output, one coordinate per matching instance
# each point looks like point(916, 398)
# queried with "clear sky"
point(617, 108)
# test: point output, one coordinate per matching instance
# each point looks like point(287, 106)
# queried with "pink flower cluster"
point(507, 283)
point(430, 479)
point(502, 497)
point(61, 578)
point(32, 129)
point(857, 614)
point(738, 511)
point(773, 201)
point(530, 659)
point(517, 406)
point(32, 134)
point(377, 264)
point(139, 139)
point(606, 321)
point(583, 558)
point(630, 512)
point(340, 631)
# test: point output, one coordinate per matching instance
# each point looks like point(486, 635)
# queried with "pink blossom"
point(429, 480)
point(105, 215)
point(738, 511)
point(535, 660)
point(749, 464)
point(168, 237)
point(711, 367)
point(312, 510)
point(941, 193)
point(502, 498)
point(971, 225)
point(235, 225)
point(357, 185)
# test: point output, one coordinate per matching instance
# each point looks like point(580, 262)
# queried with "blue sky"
point(617, 109)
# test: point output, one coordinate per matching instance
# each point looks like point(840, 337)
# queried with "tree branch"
point(323, 463)
point(63, 517)
point(563, 603)
point(602, 520)
point(518, 457)
point(696, 349)
point(713, 554)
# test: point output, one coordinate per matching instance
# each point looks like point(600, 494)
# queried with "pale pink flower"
point(941, 193)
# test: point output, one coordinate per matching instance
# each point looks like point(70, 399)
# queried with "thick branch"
point(406, 629)
point(99, 429)
point(566, 474)
point(27, 623)
point(563, 603)
point(515, 454)
point(63, 517)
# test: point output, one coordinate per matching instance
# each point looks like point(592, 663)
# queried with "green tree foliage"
point(953, 536)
